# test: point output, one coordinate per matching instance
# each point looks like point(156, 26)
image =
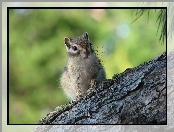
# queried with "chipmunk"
point(82, 68)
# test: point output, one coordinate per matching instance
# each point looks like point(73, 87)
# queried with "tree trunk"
point(136, 96)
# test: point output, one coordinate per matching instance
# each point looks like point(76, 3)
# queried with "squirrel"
point(83, 68)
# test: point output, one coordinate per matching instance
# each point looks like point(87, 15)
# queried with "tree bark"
point(136, 96)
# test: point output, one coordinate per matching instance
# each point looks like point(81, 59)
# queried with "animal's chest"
point(82, 71)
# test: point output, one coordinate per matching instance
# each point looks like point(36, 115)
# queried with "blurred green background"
point(37, 54)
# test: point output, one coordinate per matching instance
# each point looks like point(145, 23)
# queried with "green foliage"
point(37, 53)
point(161, 18)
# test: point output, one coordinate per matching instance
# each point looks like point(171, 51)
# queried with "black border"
point(86, 8)
point(8, 66)
point(8, 8)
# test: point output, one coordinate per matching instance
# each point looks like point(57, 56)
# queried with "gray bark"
point(136, 96)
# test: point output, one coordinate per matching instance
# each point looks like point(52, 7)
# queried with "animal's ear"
point(67, 41)
point(86, 35)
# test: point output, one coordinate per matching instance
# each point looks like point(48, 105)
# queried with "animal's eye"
point(74, 48)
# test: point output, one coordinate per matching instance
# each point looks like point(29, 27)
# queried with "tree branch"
point(136, 96)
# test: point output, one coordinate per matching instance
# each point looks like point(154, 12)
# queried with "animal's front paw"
point(93, 85)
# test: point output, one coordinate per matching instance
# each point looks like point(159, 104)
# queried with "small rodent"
point(82, 67)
